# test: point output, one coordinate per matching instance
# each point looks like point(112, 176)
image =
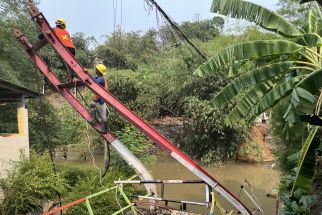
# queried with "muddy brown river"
point(262, 178)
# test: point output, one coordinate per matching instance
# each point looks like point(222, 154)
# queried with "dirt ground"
point(259, 139)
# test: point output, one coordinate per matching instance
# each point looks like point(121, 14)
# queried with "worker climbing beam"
point(155, 136)
point(120, 148)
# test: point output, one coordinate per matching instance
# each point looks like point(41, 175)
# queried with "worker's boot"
point(94, 120)
point(104, 127)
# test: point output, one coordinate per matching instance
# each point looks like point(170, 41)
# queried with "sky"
point(98, 17)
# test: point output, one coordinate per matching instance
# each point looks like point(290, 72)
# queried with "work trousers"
point(101, 111)
point(70, 72)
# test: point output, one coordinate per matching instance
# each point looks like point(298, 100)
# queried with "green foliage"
point(290, 139)
point(124, 50)
point(83, 52)
point(288, 69)
point(251, 149)
point(203, 30)
point(293, 11)
point(86, 181)
point(29, 184)
point(249, 79)
point(44, 125)
point(298, 203)
point(15, 65)
point(122, 84)
point(247, 51)
point(138, 144)
point(8, 120)
point(263, 17)
point(73, 128)
point(206, 137)
point(297, 76)
point(305, 173)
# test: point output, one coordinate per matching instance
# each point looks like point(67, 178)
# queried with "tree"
point(15, 65)
point(203, 30)
point(126, 50)
point(278, 69)
point(29, 184)
point(294, 11)
point(83, 46)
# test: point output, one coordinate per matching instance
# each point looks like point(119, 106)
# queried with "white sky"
point(96, 17)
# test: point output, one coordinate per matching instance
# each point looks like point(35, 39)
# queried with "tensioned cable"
point(177, 29)
point(93, 158)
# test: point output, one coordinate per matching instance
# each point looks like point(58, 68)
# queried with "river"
point(262, 178)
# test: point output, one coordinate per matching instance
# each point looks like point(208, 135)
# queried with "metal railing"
point(86, 199)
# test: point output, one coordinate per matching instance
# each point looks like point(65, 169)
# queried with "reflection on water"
point(262, 178)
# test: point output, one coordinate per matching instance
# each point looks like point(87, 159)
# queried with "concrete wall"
point(11, 145)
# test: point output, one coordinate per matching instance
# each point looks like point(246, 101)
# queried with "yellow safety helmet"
point(61, 21)
point(101, 68)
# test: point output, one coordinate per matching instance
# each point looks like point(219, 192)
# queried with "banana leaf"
point(311, 25)
point(313, 82)
point(305, 172)
point(304, 102)
point(311, 40)
point(249, 79)
point(262, 16)
point(247, 51)
point(274, 96)
point(248, 101)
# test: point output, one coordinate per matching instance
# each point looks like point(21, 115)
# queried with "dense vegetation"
point(152, 73)
point(283, 72)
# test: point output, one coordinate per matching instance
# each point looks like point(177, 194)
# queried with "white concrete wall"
point(12, 145)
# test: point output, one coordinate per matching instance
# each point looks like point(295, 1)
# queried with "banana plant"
point(290, 68)
point(304, 175)
point(292, 64)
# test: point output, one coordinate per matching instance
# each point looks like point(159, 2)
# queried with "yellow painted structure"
point(12, 145)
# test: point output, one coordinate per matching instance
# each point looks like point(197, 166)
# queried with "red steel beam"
point(63, 207)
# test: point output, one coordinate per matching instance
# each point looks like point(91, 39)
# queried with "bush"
point(137, 143)
point(86, 181)
point(300, 202)
point(206, 137)
point(30, 182)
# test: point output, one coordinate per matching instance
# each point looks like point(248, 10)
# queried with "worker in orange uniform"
point(98, 106)
point(64, 37)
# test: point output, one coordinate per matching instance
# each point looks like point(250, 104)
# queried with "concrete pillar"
point(12, 145)
point(22, 121)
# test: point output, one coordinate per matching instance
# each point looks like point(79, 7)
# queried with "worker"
point(64, 37)
point(98, 106)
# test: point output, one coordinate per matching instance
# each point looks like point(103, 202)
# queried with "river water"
point(262, 178)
